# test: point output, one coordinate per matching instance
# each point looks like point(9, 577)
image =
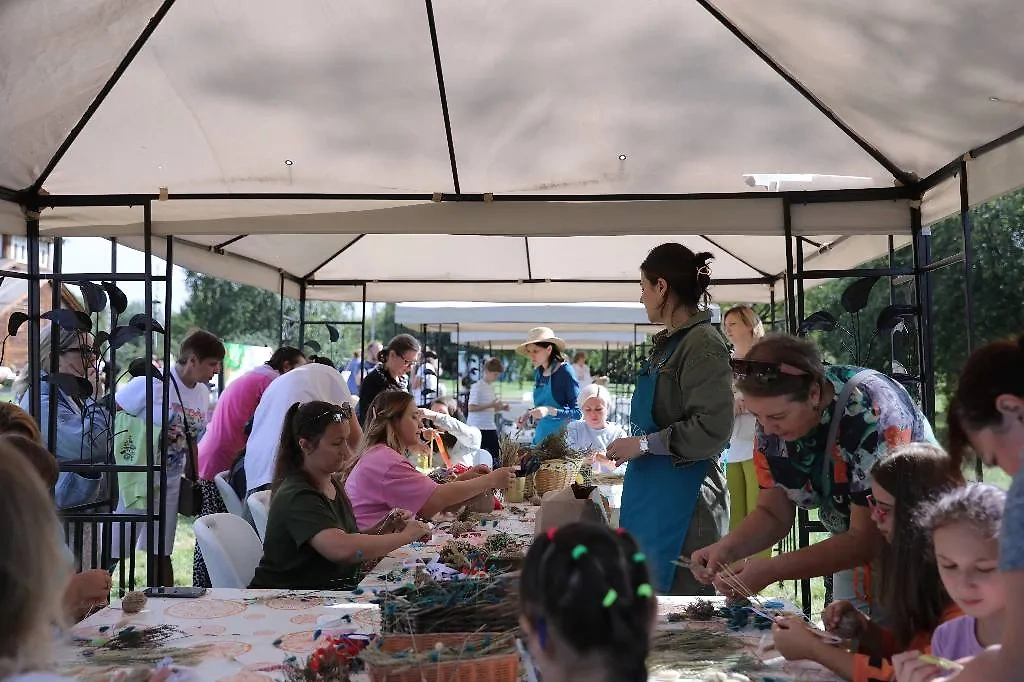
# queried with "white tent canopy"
point(574, 340)
point(494, 151)
point(514, 320)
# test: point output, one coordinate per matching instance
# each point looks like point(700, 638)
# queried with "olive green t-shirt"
point(298, 511)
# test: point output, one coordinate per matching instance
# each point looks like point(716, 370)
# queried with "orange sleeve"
point(879, 668)
point(765, 479)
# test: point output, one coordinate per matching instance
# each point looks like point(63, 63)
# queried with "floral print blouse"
point(879, 416)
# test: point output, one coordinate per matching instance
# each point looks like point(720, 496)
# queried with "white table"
point(250, 633)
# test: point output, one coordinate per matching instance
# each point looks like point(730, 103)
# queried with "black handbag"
point(190, 497)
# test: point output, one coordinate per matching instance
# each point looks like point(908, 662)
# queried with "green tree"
point(997, 288)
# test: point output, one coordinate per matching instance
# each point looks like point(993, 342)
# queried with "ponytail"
point(588, 588)
point(289, 453)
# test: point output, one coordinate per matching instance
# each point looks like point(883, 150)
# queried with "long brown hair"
point(305, 421)
point(912, 592)
point(385, 412)
point(32, 570)
point(687, 274)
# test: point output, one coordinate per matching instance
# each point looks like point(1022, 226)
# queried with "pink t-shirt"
point(383, 480)
point(225, 436)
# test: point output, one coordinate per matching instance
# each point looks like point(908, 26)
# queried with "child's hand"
point(843, 619)
point(794, 639)
point(910, 668)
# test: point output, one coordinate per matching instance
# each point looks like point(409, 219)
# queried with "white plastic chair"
point(227, 493)
point(259, 508)
point(230, 549)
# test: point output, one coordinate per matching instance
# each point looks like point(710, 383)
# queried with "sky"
point(92, 254)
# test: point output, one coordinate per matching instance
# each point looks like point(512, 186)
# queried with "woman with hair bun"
point(674, 499)
point(391, 374)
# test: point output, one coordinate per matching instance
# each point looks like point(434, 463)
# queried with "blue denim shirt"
point(83, 437)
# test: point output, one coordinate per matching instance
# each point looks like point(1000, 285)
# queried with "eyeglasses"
point(882, 510)
point(764, 372)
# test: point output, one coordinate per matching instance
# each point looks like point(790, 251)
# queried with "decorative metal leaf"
point(820, 321)
point(313, 346)
point(123, 335)
point(332, 332)
point(94, 296)
point(69, 320)
point(15, 321)
point(75, 386)
point(855, 296)
point(142, 324)
point(898, 368)
point(892, 316)
point(101, 338)
point(137, 368)
point(118, 300)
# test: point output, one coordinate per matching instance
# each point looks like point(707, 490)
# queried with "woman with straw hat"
point(556, 391)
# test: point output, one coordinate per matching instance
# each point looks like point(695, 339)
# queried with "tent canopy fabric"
point(574, 340)
point(495, 150)
point(514, 320)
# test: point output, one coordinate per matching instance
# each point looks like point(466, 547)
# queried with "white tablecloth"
point(250, 633)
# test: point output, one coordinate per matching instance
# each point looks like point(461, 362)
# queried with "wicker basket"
point(498, 668)
point(555, 474)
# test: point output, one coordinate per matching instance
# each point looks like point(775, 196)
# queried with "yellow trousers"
point(741, 477)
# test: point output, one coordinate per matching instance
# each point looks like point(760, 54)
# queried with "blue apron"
point(658, 498)
point(544, 397)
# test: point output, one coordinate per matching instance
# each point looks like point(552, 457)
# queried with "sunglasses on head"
point(343, 413)
point(764, 372)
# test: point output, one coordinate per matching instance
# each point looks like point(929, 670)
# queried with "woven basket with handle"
point(555, 474)
point(497, 668)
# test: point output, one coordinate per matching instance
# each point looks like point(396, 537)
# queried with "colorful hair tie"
point(551, 533)
point(645, 590)
point(639, 558)
point(578, 551)
point(610, 598)
point(620, 531)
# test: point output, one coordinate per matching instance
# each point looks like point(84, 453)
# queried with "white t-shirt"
point(193, 406)
point(583, 375)
point(301, 385)
point(582, 437)
point(741, 445)
point(482, 393)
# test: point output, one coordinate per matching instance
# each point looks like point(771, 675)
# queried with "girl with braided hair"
point(588, 610)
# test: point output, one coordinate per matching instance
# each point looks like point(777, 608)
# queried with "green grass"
point(181, 557)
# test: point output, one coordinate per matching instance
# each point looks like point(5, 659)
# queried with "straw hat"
point(540, 335)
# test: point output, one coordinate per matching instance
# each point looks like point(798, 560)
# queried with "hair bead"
point(609, 598)
point(639, 558)
point(645, 590)
point(578, 551)
point(551, 533)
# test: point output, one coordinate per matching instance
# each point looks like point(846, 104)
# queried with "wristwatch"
point(644, 446)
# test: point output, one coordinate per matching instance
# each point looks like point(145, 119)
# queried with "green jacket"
point(130, 448)
point(693, 406)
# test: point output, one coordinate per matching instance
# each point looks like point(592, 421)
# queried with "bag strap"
point(842, 401)
point(191, 471)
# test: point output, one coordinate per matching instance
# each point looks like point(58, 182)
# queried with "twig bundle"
point(509, 451)
point(556, 446)
point(486, 604)
point(150, 657)
point(695, 653)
